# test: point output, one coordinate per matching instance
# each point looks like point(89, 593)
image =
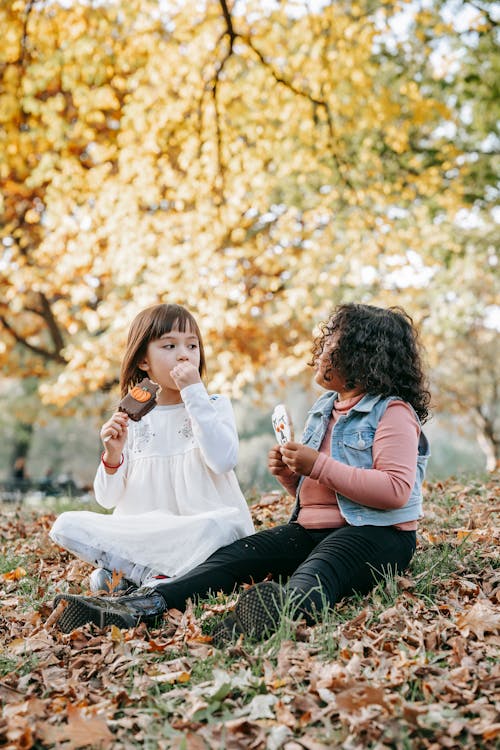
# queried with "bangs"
point(171, 317)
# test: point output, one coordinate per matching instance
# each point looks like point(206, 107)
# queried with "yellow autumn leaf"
point(116, 634)
point(14, 575)
point(305, 171)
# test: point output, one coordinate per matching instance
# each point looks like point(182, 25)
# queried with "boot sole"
point(259, 608)
point(226, 632)
point(80, 611)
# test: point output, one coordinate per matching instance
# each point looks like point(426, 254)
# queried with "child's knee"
point(59, 528)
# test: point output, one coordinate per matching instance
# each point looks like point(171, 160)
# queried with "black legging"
point(321, 567)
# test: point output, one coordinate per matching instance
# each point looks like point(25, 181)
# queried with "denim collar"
point(324, 404)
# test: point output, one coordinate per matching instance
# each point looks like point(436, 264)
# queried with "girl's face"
point(326, 376)
point(163, 354)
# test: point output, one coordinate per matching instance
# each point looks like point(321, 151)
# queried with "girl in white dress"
point(169, 477)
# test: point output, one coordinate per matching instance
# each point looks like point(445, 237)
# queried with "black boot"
point(257, 614)
point(143, 605)
point(260, 608)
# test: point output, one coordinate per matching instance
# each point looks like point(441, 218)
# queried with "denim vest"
point(352, 442)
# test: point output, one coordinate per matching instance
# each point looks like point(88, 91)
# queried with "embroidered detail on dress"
point(142, 437)
point(186, 429)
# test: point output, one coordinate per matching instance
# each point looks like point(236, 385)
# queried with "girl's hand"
point(113, 436)
point(185, 374)
point(275, 462)
point(299, 458)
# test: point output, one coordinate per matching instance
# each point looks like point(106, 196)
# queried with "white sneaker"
point(102, 580)
point(153, 578)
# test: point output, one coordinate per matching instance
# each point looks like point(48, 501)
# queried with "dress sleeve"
point(389, 483)
point(108, 488)
point(214, 427)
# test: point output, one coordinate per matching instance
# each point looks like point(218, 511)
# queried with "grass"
point(20, 665)
point(402, 645)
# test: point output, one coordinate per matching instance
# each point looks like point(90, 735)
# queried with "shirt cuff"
point(193, 390)
point(318, 466)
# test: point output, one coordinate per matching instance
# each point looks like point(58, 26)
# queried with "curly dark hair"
point(378, 350)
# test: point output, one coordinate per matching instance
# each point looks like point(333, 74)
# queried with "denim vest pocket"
point(357, 447)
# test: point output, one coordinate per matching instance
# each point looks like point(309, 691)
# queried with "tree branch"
point(229, 24)
point(231, 34)
point(54, 330)
point(315, 102)
point(44, 353)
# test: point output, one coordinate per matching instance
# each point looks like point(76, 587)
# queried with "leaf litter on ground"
point(414, 664)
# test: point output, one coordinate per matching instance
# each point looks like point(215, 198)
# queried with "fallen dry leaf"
point(56, 613)
point(14, 575)
point(80, 731)
point(171, 677)
point(360, 696)
point(481, 618)
point(419, 665)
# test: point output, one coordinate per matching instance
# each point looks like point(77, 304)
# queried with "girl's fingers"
point(109, 434)
point(276, 467)
point(275, 460)
point(288, 451)
point(275, 454)
point(115, 428)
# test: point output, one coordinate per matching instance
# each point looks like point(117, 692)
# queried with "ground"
point(412, 665)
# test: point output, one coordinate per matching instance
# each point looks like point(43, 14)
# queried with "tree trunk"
point(20, 450)
point(489, 441)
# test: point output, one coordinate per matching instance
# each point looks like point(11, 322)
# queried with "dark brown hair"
point(378, 350)
point(150, 325)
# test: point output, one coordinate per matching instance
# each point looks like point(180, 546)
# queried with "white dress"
point(176, 498)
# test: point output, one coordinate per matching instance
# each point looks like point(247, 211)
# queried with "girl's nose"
point(182, 356)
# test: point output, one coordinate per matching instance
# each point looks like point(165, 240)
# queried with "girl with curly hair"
point(356, 474)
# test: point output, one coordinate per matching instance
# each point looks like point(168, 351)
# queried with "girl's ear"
point(143, 365)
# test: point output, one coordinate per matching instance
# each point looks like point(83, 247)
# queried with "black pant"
point(321, 567)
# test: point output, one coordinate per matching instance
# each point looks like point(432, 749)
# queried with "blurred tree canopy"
point(258, 162)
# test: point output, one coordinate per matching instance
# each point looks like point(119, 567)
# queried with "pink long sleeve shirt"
point(386, 486)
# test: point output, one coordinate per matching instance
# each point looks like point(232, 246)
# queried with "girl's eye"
point(169, 346)
point(193, 346)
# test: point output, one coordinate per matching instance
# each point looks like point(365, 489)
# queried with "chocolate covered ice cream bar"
point(282, 424)
point(140, 399)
